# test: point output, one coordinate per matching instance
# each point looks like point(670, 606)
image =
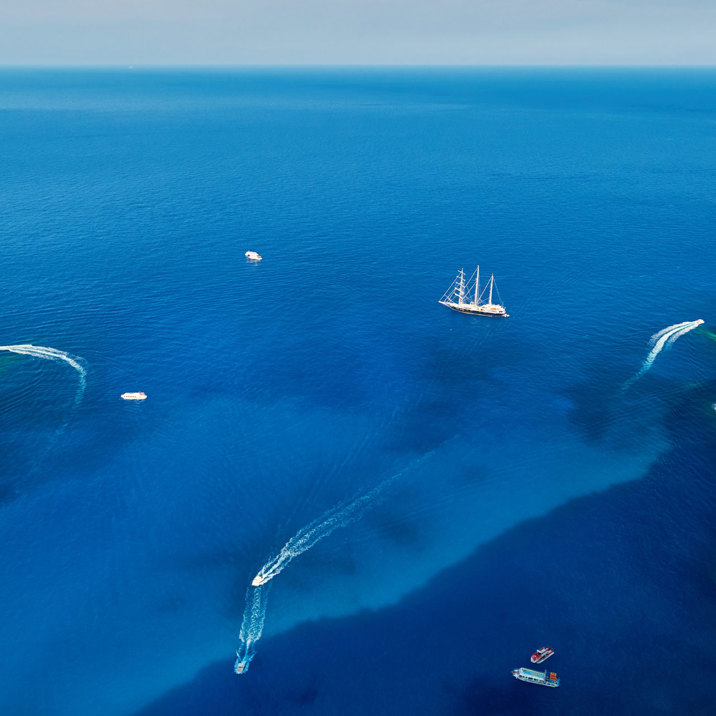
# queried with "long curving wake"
point(28, 349)
point(255, 610)
point(663, 339)
point(325, 525)
point(252, 626)
point(256, 595)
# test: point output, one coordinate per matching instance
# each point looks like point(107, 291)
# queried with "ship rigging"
point(466, 297)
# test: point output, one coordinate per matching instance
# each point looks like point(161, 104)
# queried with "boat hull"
point(541, 655)
point(538, 678)
point(471, 311)
point(240, 667)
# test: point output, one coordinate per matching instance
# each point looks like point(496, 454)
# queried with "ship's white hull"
point(535, 677)
point(471, 309)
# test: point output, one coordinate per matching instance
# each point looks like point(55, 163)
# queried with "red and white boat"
point(542, 654)
point(240, 667)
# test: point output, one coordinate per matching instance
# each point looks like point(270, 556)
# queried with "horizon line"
point(264, 65)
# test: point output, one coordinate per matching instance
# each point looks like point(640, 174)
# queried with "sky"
point(357, 32)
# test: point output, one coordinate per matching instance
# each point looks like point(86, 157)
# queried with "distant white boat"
point(465, 296)
point(253, 256)
point(134, 396)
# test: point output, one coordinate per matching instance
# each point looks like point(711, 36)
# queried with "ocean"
point(459, 490)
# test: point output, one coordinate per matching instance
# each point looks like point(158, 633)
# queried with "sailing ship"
point(465, 296)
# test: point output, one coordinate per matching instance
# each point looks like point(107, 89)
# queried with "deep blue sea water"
point(538, 501)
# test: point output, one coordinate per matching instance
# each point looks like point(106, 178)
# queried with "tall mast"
point(492, 280)
point(477, 286)
point(461, 288)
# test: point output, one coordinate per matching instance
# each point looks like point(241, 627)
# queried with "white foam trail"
point(661, 340)
point(668, 329)
point(255, 609)
point(252, 627)
point(325, 525)
point(677, 334)
point(256, 595)
point(28, 349)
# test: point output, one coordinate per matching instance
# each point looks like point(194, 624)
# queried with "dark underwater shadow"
point(620, 583)
point(605, 412)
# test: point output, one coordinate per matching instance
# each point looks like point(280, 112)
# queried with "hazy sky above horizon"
point(285, 32)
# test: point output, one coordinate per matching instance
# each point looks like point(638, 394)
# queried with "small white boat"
point(258, 580)
point(253, 256)
point(134, 396)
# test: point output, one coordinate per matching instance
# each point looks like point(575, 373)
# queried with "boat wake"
point(320, 528)
point(663, 339)
point(252, 626)
point(28, 349)
point(256, 595)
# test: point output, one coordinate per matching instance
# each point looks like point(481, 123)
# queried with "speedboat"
point(542, 654)
point(259, 579)
point(134, 396)
point(241, 665)
point(253, 256)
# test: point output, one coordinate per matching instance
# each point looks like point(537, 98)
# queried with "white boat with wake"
point(465, 296)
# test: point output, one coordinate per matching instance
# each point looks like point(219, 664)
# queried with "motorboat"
point(536, 677)
point(241, 665)
point(253, 256)
point(542, 654)
point(134, 396)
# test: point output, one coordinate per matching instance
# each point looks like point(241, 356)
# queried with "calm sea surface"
point(537, 501)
